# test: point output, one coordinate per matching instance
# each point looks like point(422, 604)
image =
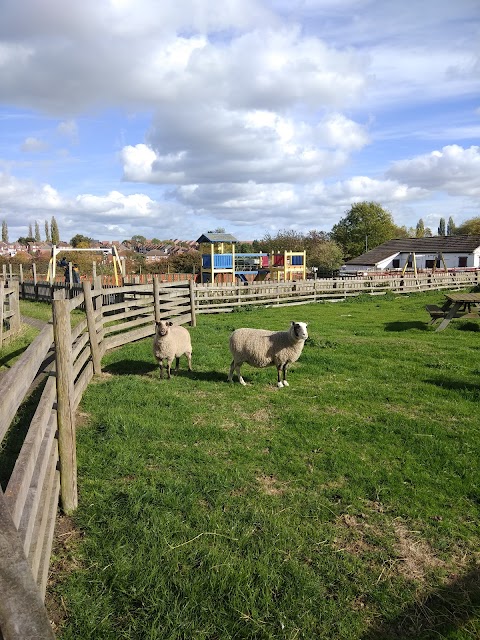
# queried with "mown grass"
point(343, 507)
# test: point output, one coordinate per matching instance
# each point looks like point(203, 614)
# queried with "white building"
point(452, 252)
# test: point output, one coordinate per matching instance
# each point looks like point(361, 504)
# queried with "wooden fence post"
point(92, 328)
point(2, 305)
point(191, 285)
point(15, 307)
point(65, 405)
point(156, 298)
point(22, 611)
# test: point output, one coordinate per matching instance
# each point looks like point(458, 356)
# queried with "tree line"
point(364, 226)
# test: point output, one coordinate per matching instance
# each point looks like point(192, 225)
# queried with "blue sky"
point(170, 119)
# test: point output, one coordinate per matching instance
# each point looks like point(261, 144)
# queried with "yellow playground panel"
point(286, 265)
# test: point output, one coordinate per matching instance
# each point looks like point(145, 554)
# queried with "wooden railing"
point(66, 357)
point(9, 311)
point(223, 298)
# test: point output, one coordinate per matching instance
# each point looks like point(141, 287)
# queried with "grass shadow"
point(448, 609)
point(406, 326)
point(10, 356)
point(454, 385)
point(129, 367)
point(468, 326)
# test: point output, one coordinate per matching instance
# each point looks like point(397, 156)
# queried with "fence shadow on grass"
point(452, 607)
point(456, 385)
point(130, 368)
point(406, 326)
point(10, 356)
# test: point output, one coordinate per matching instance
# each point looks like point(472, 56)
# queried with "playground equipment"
point(219, 256)
point(412, 260)
point(118, 263)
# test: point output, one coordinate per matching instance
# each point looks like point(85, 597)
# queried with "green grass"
point(343, 507)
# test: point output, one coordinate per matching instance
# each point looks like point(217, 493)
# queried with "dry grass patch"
point(270, 485)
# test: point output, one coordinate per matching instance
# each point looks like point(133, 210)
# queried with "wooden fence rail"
point(217, 299)
point(45, 467)
point(9, 311)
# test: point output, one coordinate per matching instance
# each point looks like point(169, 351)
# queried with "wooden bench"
point(435, 312)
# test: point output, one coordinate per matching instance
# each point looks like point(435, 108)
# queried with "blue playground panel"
point(297, 260)
point(220, 261)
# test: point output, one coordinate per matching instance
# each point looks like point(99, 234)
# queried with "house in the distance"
point(417, 254)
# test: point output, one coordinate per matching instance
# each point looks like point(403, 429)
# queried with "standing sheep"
point(171, 342)
point(262, 348)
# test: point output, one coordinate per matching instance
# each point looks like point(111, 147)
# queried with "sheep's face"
point(163, 327)
point(300, 330)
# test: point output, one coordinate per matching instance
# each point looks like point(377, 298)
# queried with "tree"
point(285, 240)
point(47, 232)
point(139, 241)
point(450, 227)
point(441, 227)
point(25, 240)
point(365, 226)
point(420, 229)
point(469, 228)
point(30, 231)
point(80, 241)
point(37, 232)
point(54, 231)
point(4, 231)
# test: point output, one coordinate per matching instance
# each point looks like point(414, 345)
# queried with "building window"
point(462, 261)
point(396, 264)
point(429, 264)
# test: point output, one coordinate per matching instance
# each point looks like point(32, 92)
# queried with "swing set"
point(118, 265)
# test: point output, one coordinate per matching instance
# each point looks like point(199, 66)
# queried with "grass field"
point(343, 507)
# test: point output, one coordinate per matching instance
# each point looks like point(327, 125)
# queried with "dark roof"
point(216, 237)
point(436, 244)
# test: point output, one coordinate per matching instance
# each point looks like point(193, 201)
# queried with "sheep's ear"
point(170, 323)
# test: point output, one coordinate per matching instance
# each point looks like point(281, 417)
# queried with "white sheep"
point(262, 348)
point(171, 342)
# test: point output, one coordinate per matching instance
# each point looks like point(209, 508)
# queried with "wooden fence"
point(61, 362)
point(9, 311)
point(223, 297)
point(216, 299)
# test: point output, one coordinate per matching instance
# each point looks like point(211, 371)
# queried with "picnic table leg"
point(450, 314)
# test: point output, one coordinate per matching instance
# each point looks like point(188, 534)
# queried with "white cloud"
point(454, 170)
point(258, 146)
point(69, 129)
point(33, 145)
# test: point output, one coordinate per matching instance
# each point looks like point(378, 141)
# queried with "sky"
point(172, 118)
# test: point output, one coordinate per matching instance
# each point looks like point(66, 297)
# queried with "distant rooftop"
point(214, 238)
point(436, 244)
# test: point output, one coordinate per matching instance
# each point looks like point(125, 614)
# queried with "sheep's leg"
point(169, 368)
point(177, 364)
point(279, 377)
point(284, 369)
point(236, 367)
point(160, 366)
point(189, 360)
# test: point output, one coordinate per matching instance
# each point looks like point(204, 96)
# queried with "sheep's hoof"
point(242, 382)
point(280, 384)
point(285, 383)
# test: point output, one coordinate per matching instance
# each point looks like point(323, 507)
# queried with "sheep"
point(171, 342)
point(262, 348)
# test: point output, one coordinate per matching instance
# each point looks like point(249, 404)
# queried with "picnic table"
point(457, 305)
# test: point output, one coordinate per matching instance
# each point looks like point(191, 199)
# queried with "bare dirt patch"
point(416, 555)
point(270, 485)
